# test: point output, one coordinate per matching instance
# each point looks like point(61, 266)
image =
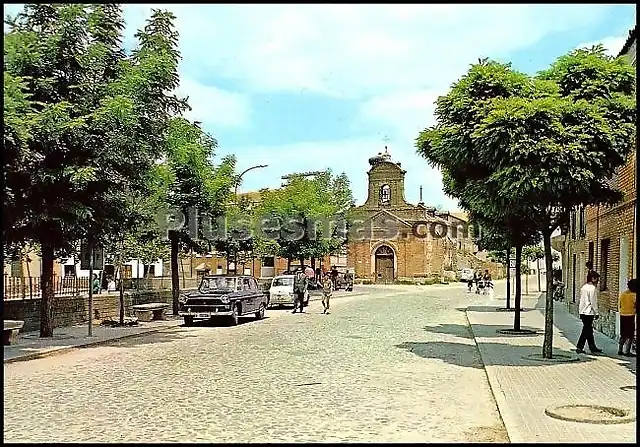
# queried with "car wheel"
point(234, 315)
point(260, 312)
point(188, 321)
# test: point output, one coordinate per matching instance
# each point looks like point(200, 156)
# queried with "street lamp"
point(243, 173)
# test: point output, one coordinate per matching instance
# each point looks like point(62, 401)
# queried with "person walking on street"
point(300, 285)
point(627, 309)
point(588, 310)
point(334, 277)
point(327, 289)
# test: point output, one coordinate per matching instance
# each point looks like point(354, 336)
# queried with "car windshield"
point(283, 282)
point(209, 284)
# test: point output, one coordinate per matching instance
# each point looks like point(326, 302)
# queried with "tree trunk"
point(508, 278)
point(538, 269)
point(175, 278)
point(313, 264)
point(182, 269)
point(46, 303)
point(547, 346)
point(289, 264)
point(302, 263)
point(121, 290)
point(518, 299)
point(526, 280)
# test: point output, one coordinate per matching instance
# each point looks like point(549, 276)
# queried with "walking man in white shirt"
point(588, 311)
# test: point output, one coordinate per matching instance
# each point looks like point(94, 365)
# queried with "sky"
point(310, 87)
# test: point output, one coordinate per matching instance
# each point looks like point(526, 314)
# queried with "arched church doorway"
point(384, 264)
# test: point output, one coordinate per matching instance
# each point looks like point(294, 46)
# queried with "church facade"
point(394, 240)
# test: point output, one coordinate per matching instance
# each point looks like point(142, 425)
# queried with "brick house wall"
point(607, 231)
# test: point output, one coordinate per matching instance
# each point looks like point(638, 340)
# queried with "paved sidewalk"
point(523, 389)
point(30, 346)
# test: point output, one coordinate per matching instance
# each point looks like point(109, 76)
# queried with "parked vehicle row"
point(231, 297)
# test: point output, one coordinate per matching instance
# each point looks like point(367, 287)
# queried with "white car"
point(281, 291)
point(466, 275)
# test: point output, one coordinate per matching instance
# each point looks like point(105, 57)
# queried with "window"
point(604, 263)
point(151, 270)
point(572, 219)
point(591, 252)
point(583, 223)
point(247, 284)
point(69, 270)
point(269, 261)
point(127, 271)
point(385, 194)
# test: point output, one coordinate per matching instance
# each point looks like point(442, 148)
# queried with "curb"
point(494, 386)
point(58, 351)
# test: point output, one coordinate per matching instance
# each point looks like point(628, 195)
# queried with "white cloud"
point(611, 44)
point(355, 51)
point(213, 106)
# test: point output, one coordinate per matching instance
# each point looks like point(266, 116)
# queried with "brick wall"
point(72, 310)
point(605, 222)
point(612, 223)
point(417, 258)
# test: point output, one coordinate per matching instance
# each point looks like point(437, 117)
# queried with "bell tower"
point(386, 183)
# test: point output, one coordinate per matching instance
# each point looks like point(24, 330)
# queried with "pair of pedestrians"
point(301, 286)
point(588, 310)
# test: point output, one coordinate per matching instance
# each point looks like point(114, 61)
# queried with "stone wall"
point(70, 310)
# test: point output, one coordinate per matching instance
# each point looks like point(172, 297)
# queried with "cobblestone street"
point(370, 371)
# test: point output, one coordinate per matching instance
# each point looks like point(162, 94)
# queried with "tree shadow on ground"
point(487, 331)
point(468, 356)
point(627, 362)
point(142, 339)
point(167, 335)
point(572, 334)
point(491, 309)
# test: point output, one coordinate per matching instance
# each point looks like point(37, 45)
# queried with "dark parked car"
point(223, 296)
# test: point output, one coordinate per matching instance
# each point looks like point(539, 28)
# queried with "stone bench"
point(10, 332)
point(151, 311)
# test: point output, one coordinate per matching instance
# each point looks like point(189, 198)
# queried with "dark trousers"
point(299, 299)
point(587, 333)
point(627, 332)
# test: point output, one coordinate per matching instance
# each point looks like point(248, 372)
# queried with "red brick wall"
point(611, 223)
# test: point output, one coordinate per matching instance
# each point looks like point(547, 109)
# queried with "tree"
point(197, 190)
point(508, 233)
point(83, 129)
point(310, 215)
point(549, 141)
point(570, 139)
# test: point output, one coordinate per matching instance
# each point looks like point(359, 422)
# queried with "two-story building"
point(605, 235)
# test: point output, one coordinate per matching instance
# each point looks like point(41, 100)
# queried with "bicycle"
point(558, 292)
